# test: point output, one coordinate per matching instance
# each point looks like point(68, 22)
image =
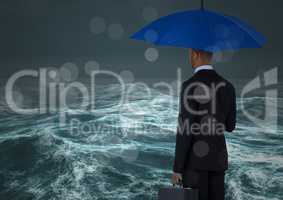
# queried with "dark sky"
point(43, 33)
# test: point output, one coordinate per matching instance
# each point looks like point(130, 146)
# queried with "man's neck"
point(201, 64)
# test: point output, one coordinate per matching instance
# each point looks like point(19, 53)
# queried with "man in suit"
point(207, 109)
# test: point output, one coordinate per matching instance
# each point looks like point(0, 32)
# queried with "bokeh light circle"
point(52, 74)
point(115, 31)
point(149, 13)
point(151, 54)
point(127, 76)
point(69, 72)
point(91, 66)
point(130, 155)
point(201, 148)
point(151, 36)
point(97, 25)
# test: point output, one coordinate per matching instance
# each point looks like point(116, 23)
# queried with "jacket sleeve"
point(230, 122)
point(183, 136)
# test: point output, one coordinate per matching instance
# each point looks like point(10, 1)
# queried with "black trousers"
point(209, 183)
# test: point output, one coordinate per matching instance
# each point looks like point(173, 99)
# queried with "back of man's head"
point(200, 57)
point(205, 55)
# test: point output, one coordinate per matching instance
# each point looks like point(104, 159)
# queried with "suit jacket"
point(207, 109)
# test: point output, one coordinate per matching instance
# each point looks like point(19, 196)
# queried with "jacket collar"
point(203, 67)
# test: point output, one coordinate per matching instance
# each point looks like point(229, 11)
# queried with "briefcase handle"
point(180, 184)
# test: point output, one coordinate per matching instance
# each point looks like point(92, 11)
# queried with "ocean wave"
point(42, 159)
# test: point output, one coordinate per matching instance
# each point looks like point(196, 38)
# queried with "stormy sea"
point(124, 152)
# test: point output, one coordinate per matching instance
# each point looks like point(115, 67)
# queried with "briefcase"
point(177, 193)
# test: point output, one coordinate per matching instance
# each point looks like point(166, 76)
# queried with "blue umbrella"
point(201, 29)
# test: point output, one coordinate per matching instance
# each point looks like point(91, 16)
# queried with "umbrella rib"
point(243, 28)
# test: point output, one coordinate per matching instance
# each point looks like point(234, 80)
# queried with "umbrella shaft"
point(202, 4)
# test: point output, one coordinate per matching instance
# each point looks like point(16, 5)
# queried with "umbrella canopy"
point(201, 29)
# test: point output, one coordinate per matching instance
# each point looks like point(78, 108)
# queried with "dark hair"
point(206, 54)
